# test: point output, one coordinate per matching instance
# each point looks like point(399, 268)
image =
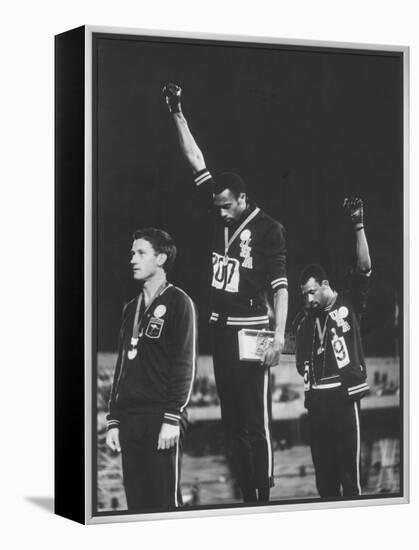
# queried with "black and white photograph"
point(248, 274)
point(209, 266)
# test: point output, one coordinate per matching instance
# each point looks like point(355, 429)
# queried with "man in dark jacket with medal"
point(330, 357)
point(248, 260)
point(153, 377)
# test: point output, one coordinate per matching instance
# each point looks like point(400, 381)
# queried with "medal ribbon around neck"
point(132, 352)
point(228, 242)
point(321, 333)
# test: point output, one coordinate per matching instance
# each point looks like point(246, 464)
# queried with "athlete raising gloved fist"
point(330, 358)
point(248, 260)
point(172, 93)
point(355, 208)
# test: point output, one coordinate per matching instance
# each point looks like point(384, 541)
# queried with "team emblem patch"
point(248, 262)
point(246, 249)
point(339, 315)
point(245, 235)
point(159, 311)
point(154, 327)
point(343, 312)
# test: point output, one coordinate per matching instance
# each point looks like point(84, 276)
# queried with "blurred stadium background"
point(317, 127)
point(206, 478)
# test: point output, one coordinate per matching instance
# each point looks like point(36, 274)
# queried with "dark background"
point(304, 127)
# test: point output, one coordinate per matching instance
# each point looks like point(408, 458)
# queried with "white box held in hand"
point(254, 343)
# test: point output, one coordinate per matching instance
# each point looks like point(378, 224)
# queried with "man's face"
point(144, 261)
point(230, 207)
point(316, 296)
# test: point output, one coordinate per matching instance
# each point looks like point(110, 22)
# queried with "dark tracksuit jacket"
point(256, 262)
point(160, 377)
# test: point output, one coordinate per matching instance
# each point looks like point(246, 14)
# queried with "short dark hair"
point(313, 270)
point(231, 181)
point(161, 242)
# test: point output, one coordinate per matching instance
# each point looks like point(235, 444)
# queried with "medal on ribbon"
point(132, 352)
point(321, 332)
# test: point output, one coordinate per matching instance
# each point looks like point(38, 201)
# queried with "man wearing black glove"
point(329, 356)
point(248, 258)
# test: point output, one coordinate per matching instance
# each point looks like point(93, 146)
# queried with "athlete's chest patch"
point(246, 249)
point(159, 311)
point(154, 327)
point(339, 316)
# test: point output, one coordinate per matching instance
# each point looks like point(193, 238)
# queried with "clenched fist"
point(355, 209)
point(172, 94)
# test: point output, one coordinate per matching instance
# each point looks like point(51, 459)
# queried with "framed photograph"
point(231, 280)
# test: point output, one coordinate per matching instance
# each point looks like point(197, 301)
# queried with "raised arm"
point(355, 209)
point(193, 154)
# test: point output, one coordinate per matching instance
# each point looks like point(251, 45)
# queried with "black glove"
point(172, 94)
point(355, 208)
